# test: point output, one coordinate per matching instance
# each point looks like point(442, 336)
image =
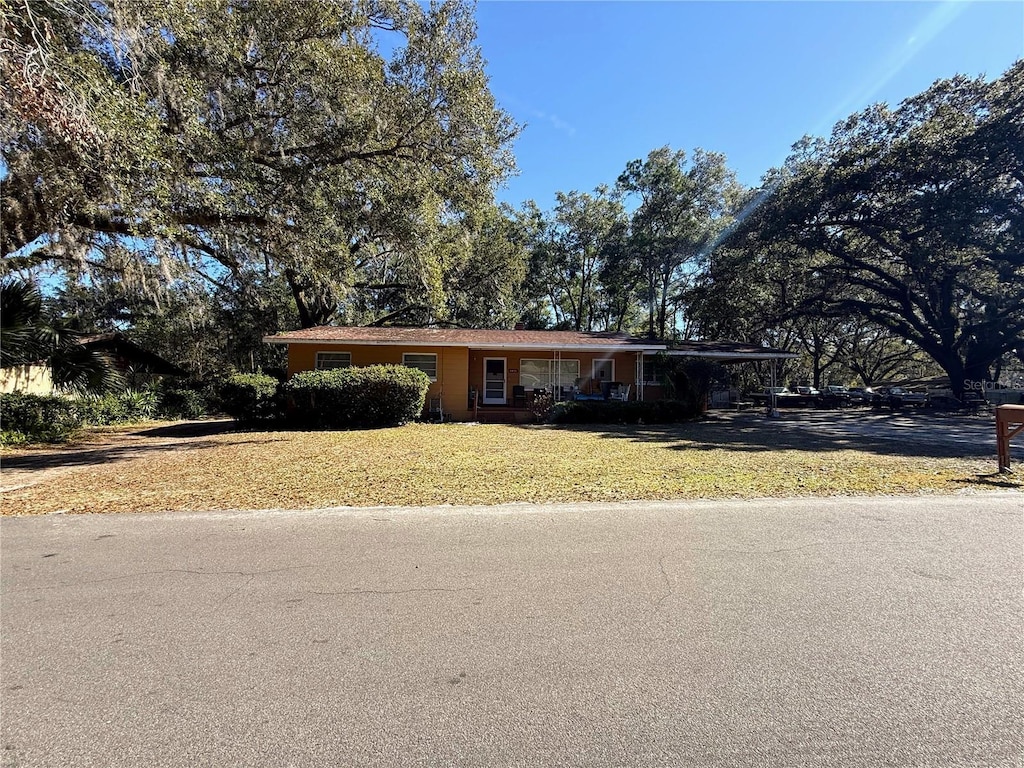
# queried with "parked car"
point(898, 397)
point(783, 396)
point(862, 395)
point(835, 396)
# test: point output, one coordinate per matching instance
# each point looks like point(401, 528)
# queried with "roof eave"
point(733, 356)
point(484, 346)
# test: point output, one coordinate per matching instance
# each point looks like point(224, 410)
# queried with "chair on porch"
point(518, 396)
point(620, 392)
point(435, 410)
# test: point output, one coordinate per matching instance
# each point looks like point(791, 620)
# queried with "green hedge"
point(615, 412)
point(28, 418)
point(250, 397)
point(122, 408)
point(374, 396)
point(177, 399)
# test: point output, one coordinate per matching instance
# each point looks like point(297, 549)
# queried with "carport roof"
point(727, 351)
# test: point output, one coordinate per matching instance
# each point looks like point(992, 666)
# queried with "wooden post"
point(1009, 421)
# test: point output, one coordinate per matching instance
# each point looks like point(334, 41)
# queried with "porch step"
point(503, 416)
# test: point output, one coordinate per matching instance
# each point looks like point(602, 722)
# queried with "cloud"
point(533, 114)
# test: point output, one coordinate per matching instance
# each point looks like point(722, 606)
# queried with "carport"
point(726, 352)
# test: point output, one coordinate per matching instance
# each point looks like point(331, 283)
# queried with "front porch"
point(506, 381)
point(521, 408)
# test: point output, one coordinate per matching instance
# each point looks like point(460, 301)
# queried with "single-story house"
point(485, 373)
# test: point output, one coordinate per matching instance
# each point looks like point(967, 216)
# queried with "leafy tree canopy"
point(684, 204)
point(246, 141)
point(911, 219)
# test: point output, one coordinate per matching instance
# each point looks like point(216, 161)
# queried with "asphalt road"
point(856, 632)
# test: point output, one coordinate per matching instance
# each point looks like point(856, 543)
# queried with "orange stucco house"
point(476, 373)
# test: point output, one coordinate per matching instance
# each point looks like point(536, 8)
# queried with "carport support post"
point(1009, 421)
point(773, 398)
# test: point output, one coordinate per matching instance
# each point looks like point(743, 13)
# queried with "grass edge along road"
point(153, 470)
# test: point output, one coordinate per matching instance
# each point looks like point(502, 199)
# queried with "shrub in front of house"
point(250, 397)
point(26, 418)
point(177, 399)
point(342, 398)
point(542, 405)
point(128, 407)
point(615, 412)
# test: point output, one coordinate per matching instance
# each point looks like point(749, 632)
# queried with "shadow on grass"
point(905, 434)
point(210, 427)
point(184, 429)
point(176, 436)
point(996, 480)
point(85, 455)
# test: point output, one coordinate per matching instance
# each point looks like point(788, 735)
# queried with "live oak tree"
point(875, 355)
point(320, 143)
point(912, 219)
point(484, 266)
point(466, 273)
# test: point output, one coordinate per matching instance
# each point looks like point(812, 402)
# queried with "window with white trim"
point(545, 374)
point(424, 362)
point(327, 360)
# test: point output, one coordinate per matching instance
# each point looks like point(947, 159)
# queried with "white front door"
point(494, 381)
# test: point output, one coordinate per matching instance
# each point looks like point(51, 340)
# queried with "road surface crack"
point(668, 582)
point(251, 574)
point(348, 592)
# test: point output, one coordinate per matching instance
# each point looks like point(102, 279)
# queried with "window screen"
point(326, 360)
point(426, 363)
point(544, 374)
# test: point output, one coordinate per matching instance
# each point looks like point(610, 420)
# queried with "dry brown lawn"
point(201, 467)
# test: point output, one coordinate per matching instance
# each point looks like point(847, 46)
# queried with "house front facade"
point(476, 372)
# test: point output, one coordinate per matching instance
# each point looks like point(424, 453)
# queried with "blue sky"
point(601, 83)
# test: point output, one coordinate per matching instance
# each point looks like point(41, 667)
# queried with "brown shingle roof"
point(462, 337)
point(117, 344)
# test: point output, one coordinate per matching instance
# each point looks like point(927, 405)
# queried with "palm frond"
point(81, 370)
point(27, 335)
point(21, 307)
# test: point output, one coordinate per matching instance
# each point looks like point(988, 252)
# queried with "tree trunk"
point(311, 314)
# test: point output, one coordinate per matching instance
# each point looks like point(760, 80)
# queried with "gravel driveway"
point(944, 434)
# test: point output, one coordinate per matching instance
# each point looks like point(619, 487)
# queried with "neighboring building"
point(33, 379)
point(138, 365)
point(475, 373)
